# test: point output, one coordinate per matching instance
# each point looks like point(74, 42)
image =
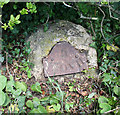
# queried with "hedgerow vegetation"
point(17, 95)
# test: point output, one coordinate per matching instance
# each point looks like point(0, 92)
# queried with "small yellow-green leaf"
point(108, 47)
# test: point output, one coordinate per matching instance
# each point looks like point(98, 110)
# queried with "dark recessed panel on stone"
point(64, 59)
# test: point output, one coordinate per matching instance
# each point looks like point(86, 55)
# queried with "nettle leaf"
point(105, 107)
point(116, 90)
point(102, 99)
point(2, 97)
point(21, 85)
point(3, 81)
point(30, 104)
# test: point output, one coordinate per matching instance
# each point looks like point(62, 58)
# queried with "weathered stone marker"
point(65, 39)
point(64, 59)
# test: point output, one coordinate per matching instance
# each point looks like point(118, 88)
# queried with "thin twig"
point(7, 64)
point(117, 108)
point(93, 29)
point(109, 7)
point(102, 29)
point(81, 16)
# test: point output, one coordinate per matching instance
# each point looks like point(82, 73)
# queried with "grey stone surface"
point(42, 42)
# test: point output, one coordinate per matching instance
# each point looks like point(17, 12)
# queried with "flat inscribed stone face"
point(64, 59)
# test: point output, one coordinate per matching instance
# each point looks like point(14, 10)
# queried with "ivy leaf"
point(34, 111)
point(7, 100)
point(105, 107)
point(3, 81)
point(2, 97)
point(41, 109)
point(102, 99)
point(57, 107)
point(36, 87)
point(30, 104)
point(21, 85)
point(93, 44)
point(36, 102)
point(106, 77)
point(116, 90)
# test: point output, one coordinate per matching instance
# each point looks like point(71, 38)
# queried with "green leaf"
point(12, 18)
point(102, 99)
point(29, 73)
point(2, 97)
point(41, 109)
point(17, 92)
point(93, 44)
point(23, 11)
point(71, 88)
point(17, 22)
point(117, 90)
point(30, 104)
point(36, 102)
point(5, 26)
point(10, 84)
point(53, 101)
point(105, 107)
point(106, 77)
point(21, 85)
point(34, 111)
point(45, 99)
point(3, 81)
point(67, 107)
point(36, 87)
point(7, 100)
point(57, 107)
point(17, 17)
point(29, 5)
point(91, 95)
point(21, 101)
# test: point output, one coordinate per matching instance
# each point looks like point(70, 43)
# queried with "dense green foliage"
point(20, 19)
